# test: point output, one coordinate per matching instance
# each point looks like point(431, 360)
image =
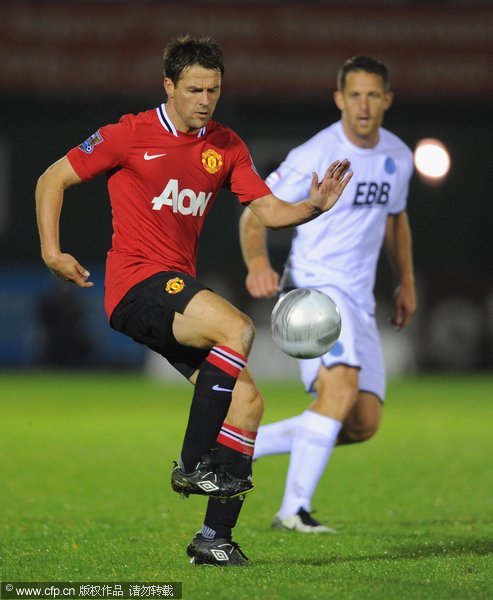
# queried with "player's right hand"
point(65, 266)
point(262, 282)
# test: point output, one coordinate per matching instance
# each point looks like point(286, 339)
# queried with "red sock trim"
point(240, 440)
point(229, 361)
point(233, 354)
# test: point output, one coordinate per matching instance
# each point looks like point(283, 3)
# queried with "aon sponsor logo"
point(185, 202)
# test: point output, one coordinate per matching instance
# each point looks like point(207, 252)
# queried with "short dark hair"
point(186, 51)
point(363, 63)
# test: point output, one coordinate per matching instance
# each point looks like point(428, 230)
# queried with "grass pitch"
point(85, 496)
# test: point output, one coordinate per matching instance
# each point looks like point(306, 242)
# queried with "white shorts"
point(358, 346)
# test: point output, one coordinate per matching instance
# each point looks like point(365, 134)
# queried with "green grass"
point(85, 464)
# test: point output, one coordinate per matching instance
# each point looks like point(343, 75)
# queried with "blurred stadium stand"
point(68, 67)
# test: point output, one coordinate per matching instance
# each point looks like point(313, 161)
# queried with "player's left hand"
point(325, 194)
point(404, 306)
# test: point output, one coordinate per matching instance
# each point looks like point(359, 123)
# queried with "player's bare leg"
point(233, 450)
point(363, 420)
point(209, 321)
point(337, 391)
point(361, 423)
point(315, 432)
point(313, 442)
point(247, 405)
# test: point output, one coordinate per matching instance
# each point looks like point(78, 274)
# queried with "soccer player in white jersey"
point(338, 255)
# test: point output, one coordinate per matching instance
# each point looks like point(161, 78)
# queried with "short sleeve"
point(104, 150)
point(244, 180)
point(288, 184)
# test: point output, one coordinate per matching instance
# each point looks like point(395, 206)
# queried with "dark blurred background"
point(68, 67)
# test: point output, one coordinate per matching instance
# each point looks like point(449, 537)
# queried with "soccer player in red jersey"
point(165, 167)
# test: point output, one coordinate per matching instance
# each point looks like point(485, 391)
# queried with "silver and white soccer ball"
point(305, 323)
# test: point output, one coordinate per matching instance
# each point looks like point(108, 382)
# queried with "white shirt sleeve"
point(289, 184)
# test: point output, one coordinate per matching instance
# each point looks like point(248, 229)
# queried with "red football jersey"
point(161, 184)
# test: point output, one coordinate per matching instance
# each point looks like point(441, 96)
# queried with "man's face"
point(363, 103)
point(192, 101)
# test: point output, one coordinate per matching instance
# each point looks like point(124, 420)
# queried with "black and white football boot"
point(208, 479)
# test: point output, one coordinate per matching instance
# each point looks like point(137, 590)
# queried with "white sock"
point(276, 438)
point(311, 448)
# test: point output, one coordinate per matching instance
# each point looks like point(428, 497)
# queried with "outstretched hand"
point(325, 194)
point(66, 267)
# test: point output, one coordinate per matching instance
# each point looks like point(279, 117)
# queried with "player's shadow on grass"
point(453, 547)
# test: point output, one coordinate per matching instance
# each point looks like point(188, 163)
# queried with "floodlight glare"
point(431, 159)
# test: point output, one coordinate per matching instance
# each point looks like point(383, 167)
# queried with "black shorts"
point(146, 314)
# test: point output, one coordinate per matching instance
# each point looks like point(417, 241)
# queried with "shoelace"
point(238, 549)
point(208, 468)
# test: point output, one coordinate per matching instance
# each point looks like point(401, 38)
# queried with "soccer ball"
point(305, 323)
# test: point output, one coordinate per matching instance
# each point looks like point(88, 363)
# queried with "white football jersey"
point(342, 246)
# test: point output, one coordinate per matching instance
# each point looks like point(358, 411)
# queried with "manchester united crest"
point(175, 285)
point(212, 161)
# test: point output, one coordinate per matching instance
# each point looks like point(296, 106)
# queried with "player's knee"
point(337, 384)
point(237, 331)
point(244, 328)
point(248, 330)
point(351, 433)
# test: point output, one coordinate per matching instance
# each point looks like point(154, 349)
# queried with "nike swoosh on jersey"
point(218, 388)
point(148, 156)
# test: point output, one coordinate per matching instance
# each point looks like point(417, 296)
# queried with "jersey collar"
point(353, 146)
point(167, 123)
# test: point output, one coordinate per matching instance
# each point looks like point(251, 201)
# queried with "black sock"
point(222, 515)
point(210, 403)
